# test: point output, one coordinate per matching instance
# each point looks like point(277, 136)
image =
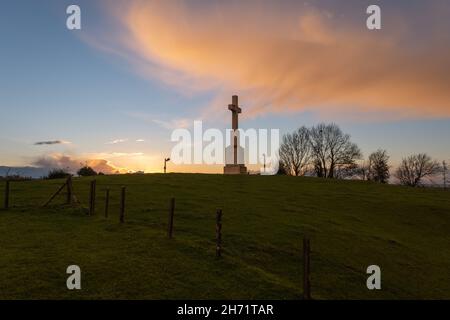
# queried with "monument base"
point(235, 169)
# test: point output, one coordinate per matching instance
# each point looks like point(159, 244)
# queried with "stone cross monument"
point(234, 153)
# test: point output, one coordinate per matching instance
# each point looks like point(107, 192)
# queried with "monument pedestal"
point(234, 164)
point(235, 169)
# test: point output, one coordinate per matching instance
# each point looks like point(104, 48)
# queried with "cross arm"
point(234, 108)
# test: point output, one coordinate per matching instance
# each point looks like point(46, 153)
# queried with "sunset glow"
point(145, 68)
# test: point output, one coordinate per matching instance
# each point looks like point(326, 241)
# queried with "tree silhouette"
point(415, 168)
point(295, 151)
point(332, 150)
point(86, 171)
point(379, 166)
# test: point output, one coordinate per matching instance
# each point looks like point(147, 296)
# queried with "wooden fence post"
point(69, 190)
point(107, 203)
point(7, 195)
point(92, 198)
point(122, 205)
point(219, 233)
point(306, 269)
point(171, 212)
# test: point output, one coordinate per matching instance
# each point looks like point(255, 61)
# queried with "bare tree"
point(415, 168)
point(332, 150)
point(295, 151)
point(379, 166)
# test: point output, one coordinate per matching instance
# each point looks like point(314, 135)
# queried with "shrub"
point(57, 174)
point(86, 172)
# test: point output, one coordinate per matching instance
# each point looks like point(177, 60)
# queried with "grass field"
point(351, 225)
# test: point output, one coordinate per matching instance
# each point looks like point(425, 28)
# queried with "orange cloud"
point(72, 164)
point(286, 60)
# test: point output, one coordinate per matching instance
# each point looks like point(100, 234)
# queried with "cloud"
point(102, 165)
point(171, 124)
point(122, 154)
point(40, 143)
point(132, 161)
point(140, 140)
point(289, 57)
point(117, 141)
point(72, 164)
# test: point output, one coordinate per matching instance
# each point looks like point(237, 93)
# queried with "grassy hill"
point(351, 225)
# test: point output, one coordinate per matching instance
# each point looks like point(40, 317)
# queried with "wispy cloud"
point(51, 142)
point(290, 58)
point(122, 154)
point(140, 140)
point(169, 124)
point(174, 124)
point(117, 141)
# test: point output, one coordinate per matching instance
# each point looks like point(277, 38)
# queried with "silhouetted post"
point(219, 233)
point(264, 155)
point(171, 213)
point(107, 203)
point(306, 270)
point(69, 190)
point(122, 205)
point(165, 163)
point(92, 198)
point(7, 194)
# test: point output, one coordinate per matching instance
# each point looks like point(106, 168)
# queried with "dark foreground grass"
point(351, 226)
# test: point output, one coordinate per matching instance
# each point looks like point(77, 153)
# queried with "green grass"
point(351, 225)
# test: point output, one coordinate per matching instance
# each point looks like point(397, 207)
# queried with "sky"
point(111, 94)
